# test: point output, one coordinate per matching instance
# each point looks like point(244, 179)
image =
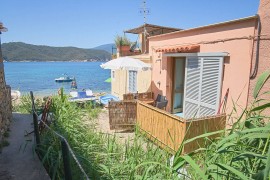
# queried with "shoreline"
point(40, 94)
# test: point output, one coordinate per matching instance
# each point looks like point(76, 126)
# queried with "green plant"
point(121, 41)
point(101, 155)
point(25, 104)
point(6, 134)
point(3, 143)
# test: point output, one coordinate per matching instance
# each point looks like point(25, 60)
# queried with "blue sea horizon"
point(39, 77)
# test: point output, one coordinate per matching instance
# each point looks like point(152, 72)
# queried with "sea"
point(39, 77)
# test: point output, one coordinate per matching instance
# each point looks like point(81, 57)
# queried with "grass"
point(25, 104)
point(101, 155)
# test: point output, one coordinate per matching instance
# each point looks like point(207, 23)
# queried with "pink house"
point(195, 68)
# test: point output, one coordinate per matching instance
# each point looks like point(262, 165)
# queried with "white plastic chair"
point(89, 92)
point(74, 93)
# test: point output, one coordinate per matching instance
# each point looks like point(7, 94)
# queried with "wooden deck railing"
point(196, 127)
point(162, 127)
point(166, 130)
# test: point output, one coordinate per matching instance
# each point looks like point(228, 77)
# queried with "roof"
point(180, 49)
point(151, 28)
point(212, 25)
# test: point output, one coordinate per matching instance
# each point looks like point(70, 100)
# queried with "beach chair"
point(89, 92)
point(161, 102)
point(73, 94)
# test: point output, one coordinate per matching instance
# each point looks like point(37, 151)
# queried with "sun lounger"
point(89, 92)
point(82, 96)
point(73, 94)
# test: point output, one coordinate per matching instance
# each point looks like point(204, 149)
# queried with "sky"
point(90, 23)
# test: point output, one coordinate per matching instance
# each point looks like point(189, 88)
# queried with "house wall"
point(264, 54)
point(119, 84)
point(235, 41)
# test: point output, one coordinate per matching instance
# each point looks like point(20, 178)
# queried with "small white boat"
point(64, 78)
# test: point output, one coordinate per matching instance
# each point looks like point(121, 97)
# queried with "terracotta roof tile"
point(180, 49)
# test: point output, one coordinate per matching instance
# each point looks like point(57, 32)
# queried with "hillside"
point(107, 47)
point(18, 51)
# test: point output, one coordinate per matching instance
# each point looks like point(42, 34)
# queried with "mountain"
point(18, 51)
point(107, 47)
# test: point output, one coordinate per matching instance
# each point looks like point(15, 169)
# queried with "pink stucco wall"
point(236, 67)
point(264, 51)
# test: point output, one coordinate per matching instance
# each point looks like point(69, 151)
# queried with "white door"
point(202, 86)
point(132, 81)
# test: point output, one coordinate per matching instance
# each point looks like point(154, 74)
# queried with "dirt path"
point(19, 160)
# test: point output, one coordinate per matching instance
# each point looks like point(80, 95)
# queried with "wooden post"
point(65, 153)
point(33, 102)
point(35, 119)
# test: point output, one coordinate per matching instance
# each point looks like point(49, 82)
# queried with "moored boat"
point(64, 78)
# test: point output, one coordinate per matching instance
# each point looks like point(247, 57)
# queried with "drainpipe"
point(255, 70)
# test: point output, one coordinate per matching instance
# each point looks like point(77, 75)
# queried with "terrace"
point(163, 128)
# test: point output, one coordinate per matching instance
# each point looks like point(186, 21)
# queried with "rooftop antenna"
point(145, 11)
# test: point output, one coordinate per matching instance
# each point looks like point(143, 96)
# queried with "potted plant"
point(122, 43)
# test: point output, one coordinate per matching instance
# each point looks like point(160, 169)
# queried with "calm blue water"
point(39, 76)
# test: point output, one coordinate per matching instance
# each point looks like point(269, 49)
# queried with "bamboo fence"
point(166, 130)
point(196, 127)
point(122, 114)
point(160, 126)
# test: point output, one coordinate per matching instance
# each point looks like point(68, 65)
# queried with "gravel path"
point(19, 160)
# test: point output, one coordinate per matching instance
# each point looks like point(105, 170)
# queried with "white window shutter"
point(202, 86)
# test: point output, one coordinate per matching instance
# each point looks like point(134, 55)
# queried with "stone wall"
point(264, 54)
point(5, 101)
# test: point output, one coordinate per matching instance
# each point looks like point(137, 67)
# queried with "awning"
point(152, 29)
point(180, 49)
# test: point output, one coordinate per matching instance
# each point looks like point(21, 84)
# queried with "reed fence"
point(196, 127)
point(169, 130)
point(165, 129)
point(122, 114)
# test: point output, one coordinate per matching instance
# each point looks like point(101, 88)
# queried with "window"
point(132, 81)
point(202, 86)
